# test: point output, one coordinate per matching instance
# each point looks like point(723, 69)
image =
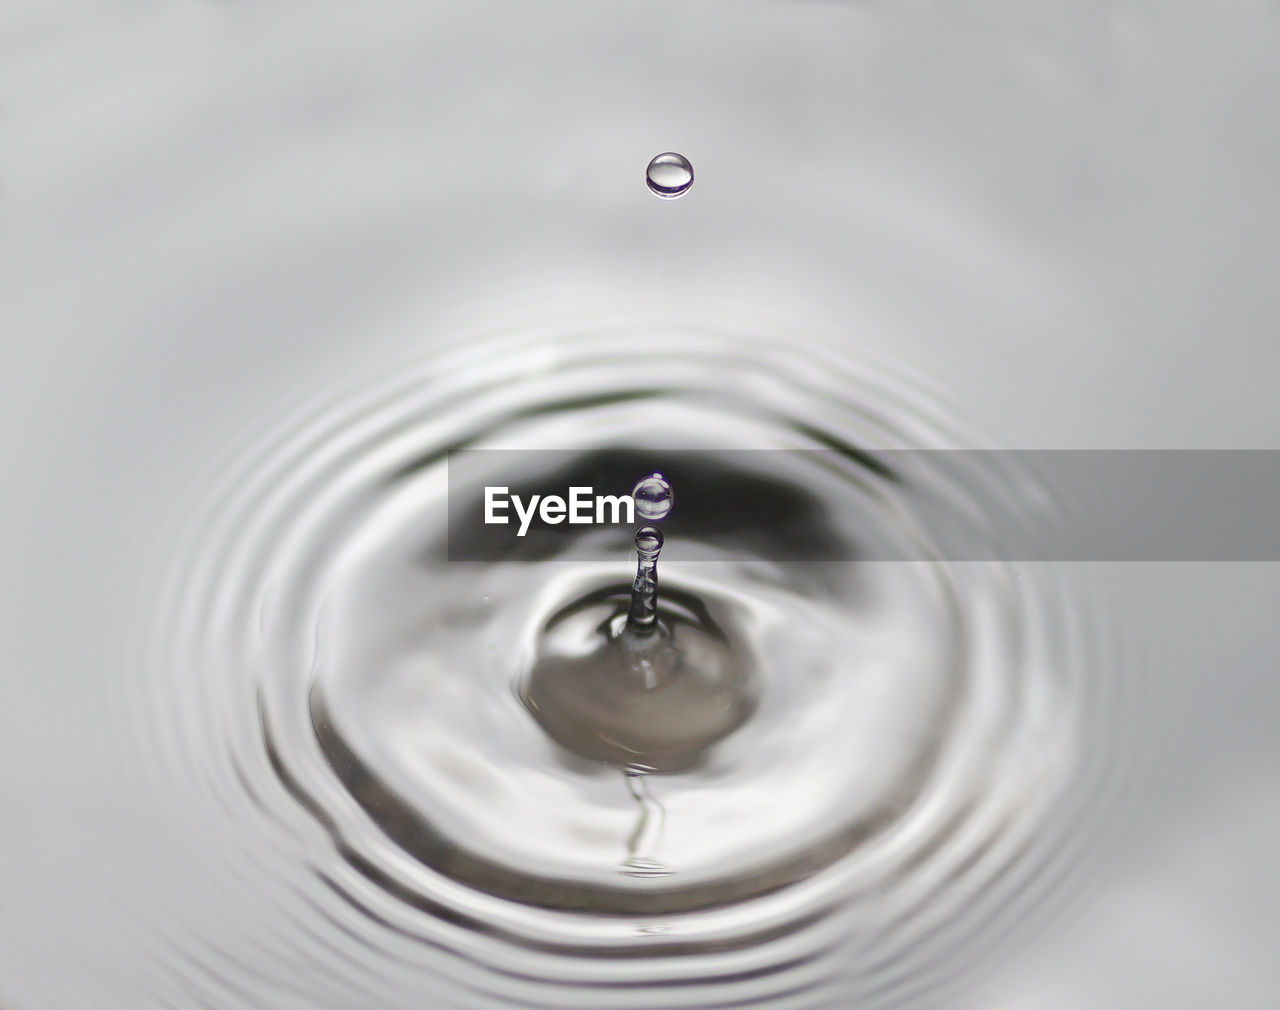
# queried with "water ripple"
point(910, 780)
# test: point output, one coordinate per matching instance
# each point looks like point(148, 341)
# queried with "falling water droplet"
point(669, 175)
point(653, 497)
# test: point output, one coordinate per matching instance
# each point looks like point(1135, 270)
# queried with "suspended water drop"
point(653, 497)
point(669, 175)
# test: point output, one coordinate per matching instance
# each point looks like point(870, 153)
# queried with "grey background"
point(1064, 213)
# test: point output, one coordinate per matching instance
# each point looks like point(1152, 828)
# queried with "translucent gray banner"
point(846, 503)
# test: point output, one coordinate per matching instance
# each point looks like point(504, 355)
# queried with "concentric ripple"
point(897, 780)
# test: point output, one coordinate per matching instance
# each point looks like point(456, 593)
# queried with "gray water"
point(267, 747)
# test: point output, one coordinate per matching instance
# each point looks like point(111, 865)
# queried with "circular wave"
point(914, 730)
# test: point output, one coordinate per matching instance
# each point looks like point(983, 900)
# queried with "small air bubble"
point(669, 175)
point(653, 497)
